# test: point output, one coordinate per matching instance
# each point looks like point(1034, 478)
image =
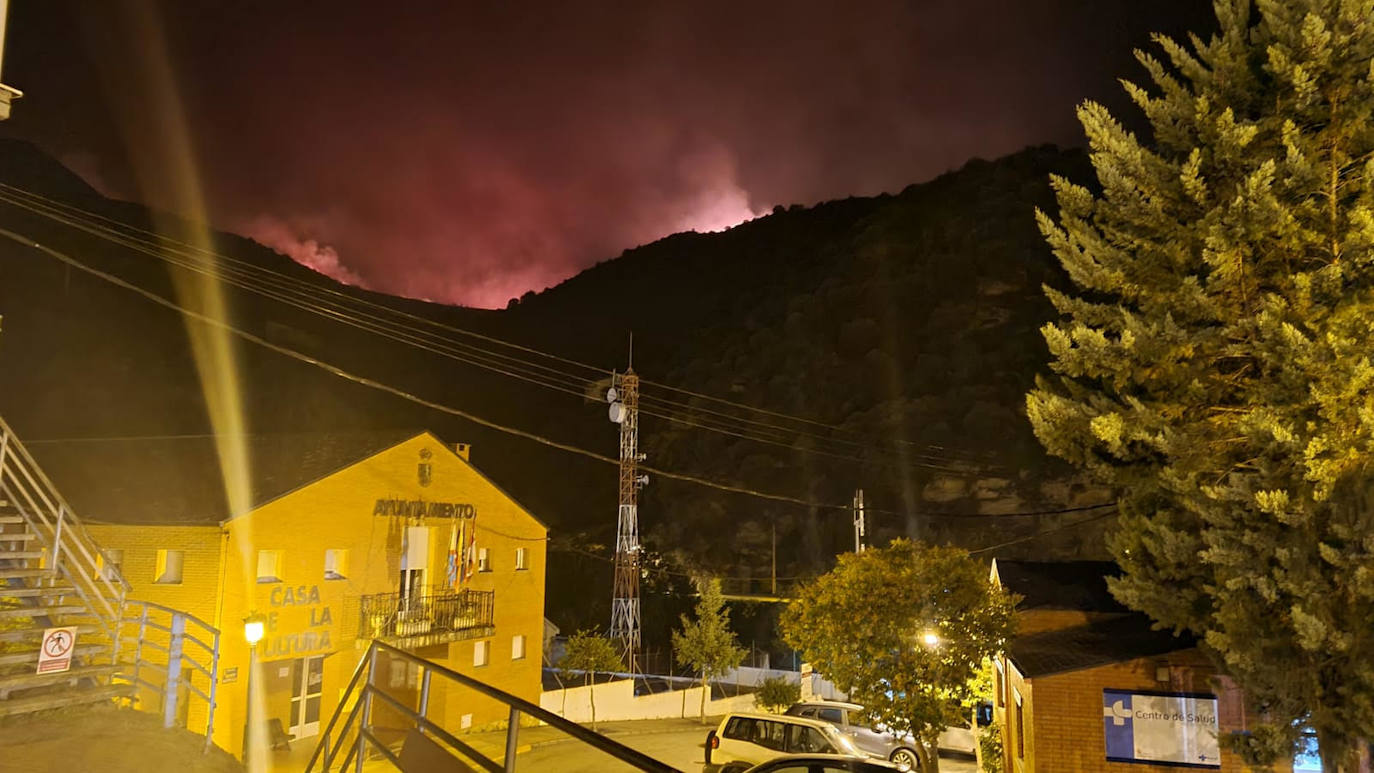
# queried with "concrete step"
point(76, 697)
point(20, 574)
point(33, 632)
point(41, 610)
point(30, 657)
point(20, 592)
point(25, 680)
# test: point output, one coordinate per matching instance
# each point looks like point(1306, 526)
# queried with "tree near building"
point(589, 653)
point(904, 630)
point(1212, 360)
point(706, 644)
point(776, 694)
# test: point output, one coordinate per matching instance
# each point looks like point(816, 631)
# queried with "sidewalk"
point(493, 744)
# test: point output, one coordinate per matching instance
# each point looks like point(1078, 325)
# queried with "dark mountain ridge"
point(907, 321)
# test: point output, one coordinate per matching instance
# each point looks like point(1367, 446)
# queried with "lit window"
point(483, 560)
point(479, 653)
point(336, 564)
point(169, 564)
point(517, 647)
point(111, 563)
point(522, 558)
point(269, 566)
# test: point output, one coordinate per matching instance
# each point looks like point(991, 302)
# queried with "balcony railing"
point(433, 615)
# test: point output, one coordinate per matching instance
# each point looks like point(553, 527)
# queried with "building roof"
point(1076, 585)
point(178, 479)
point(1116, 640)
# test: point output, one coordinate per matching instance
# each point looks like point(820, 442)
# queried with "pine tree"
point(1213, 359)
point(706, 644)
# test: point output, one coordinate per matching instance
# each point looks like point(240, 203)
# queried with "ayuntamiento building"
point(333, 539)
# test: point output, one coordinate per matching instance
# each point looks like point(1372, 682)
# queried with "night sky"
point(470, 152)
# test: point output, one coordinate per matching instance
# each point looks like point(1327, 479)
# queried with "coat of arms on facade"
point(426, 469)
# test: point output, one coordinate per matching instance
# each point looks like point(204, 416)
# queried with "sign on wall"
point(1175, 728)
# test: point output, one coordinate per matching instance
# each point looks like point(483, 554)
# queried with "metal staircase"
point(51, 575)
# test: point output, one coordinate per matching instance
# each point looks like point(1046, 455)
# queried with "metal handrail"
point(176, 657)
point(517, 706)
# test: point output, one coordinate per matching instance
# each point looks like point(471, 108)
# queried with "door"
point(307, 685)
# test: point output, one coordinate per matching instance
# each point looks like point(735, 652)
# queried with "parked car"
point(878, 741)
point(822, 763)
point(745, 739)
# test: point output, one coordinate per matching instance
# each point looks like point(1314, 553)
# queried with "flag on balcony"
point(469, 555)
point(453, 555)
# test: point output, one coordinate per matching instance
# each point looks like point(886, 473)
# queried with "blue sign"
point(1177, 729)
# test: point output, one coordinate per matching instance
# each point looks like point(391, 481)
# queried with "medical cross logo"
point(1175, 728)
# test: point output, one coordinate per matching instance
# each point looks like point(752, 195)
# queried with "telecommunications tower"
point(624, 399)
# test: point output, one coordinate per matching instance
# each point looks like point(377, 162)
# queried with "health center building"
point(339, 539)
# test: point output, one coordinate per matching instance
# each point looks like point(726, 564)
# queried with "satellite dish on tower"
point(611, 395)
point(618, 412)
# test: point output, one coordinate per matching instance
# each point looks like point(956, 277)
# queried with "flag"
point(469, 555)
point(453, 555)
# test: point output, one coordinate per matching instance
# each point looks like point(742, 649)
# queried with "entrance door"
point(307, 682)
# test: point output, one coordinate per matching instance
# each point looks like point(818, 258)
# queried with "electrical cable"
point(380, 386)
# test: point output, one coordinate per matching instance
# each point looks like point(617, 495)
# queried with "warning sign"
point(56, 653)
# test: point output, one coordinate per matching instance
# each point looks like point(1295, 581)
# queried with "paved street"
point(673, 741)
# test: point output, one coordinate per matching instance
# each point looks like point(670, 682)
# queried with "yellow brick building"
point(342, 538)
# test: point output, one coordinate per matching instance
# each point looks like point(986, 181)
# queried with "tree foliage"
point(865, 624)
point(777, 694)
point(706, 644)
point(1213, 361)
point(589, 653)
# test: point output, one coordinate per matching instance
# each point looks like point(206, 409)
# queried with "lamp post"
point(254, 626)
point(930, 639)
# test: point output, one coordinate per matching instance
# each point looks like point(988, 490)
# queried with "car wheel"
point(905, 759)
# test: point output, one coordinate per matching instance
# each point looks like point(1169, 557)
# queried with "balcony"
point(436, 615)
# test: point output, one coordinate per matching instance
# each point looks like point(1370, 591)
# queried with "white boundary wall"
point(616, 700)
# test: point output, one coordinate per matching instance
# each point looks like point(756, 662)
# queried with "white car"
point(878, 741)
point(743, 740)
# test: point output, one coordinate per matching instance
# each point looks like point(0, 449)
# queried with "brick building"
point(1089, 686)
point(336, 539)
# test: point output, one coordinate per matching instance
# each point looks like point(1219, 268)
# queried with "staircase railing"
point(71, 553)
point(356, 737)
point(175, 655)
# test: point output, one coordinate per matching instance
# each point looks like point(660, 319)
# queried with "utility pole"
point(624, 399)
point(860, 528)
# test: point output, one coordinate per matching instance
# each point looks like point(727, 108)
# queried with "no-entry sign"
point(55, 655)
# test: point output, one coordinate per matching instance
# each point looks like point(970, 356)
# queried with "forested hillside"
point(906, 322)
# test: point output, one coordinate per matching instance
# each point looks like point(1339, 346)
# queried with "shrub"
point(776, 694)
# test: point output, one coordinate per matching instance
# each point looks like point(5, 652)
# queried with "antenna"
point(624, 399)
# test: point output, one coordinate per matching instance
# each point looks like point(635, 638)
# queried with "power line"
point(56, 210)
point(1044, 532)
point(380, 386)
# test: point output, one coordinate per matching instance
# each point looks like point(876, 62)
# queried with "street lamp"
point(931, 639)
point(254, 626)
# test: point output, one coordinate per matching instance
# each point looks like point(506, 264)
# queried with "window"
point(833, 716)
point(479, 653)
point(808, 740)
point(522, 558)
point(483, 560)
point(770, 735)
point(336, 564)
point(1020, 730)
point(998, 684)
point(111, 563)
point(517, 647)
point(738, 728)
point(269, 566)
point(169, 564)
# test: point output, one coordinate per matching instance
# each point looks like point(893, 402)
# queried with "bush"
point(776, 694)
point(990, 741)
